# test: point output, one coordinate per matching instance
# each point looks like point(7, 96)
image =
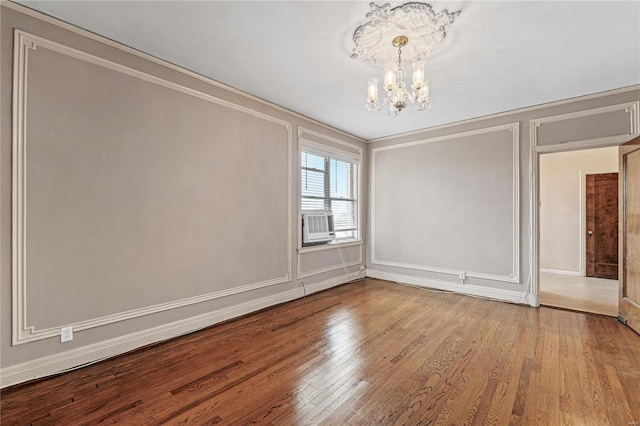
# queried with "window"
point(331, 183)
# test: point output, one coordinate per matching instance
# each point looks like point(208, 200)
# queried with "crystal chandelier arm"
point(376, 106)
point(419, 104)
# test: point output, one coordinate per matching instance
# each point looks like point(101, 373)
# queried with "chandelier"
point(412, 26)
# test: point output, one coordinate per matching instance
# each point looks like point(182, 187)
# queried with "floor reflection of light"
point(338, 369)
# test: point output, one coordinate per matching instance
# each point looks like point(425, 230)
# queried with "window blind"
point(329, 183)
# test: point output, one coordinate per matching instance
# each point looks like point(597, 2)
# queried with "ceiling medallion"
point(413, 30)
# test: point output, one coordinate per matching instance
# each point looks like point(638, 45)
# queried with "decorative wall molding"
point(514, 277)
point(67, 360)
point(466, 289)
point(536, 150)
point(333, 282)
point(632, 108)
point(302, 131)
point(330, 246)
point(358, 152)
point(131, 51)
point(304, 274)
point(510, 113)
point(21, 331)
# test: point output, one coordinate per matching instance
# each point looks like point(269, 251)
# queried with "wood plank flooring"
point(370, 352)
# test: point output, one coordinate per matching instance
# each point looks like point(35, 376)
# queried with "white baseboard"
point(332, 282)
point(560, 272)
point(468, 289)
point(70, 359)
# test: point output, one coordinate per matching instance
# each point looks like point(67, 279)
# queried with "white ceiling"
point(498, 55)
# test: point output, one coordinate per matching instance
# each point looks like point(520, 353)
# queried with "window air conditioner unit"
point(317, 227)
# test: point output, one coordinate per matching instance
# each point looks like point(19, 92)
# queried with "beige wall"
point(440, 204)
point(447, 205)
point(562, 205)
point(148, 201)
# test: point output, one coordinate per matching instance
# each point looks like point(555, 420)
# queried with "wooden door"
point(630, 234)
point(602, 226)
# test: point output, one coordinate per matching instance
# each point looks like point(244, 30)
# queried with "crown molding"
point(127, 49)
point(85, 33)
point(510, 112)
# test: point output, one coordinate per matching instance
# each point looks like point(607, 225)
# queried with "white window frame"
point(354, 156)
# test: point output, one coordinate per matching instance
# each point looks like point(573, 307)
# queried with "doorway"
point(578, 230)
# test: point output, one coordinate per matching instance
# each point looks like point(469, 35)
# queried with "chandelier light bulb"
point(418, 75)
point(389, 77)
point(372, 90)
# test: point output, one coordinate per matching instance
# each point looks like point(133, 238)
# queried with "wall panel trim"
point(60, 362)
point(21, 331)
point(552, 104)
point(466, 289)
point(632, 108)
point(129, 50)
point(514, 277)
point(305, 274)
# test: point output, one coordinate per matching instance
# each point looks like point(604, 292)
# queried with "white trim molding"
point(329, 246)
point(131, 51)
point(536, 150)
point(357, 155)
point(465, 289)
point(333, 282)
point(632, 108)
point(73, 358)
point(561, 272)
point(22, 332)
point(302, 131)
point(597, 95)
point(514, 276)
point(305, 274)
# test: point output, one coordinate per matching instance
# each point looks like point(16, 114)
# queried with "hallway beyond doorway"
point(595, 295)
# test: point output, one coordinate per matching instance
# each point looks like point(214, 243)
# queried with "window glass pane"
point(341, 179)
point(312, 183)
point(341, 235)
point(312, 161)
point(313, 204)
point(344, 214)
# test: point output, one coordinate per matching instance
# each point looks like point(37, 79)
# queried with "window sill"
point(330, 246)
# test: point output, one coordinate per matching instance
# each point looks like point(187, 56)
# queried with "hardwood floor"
point(371, 352)
point(586, 294)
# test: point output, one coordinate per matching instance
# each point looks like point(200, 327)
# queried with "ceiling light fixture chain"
point(399, 55)
point(415, 21)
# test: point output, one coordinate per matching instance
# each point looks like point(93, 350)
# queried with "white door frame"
point(534, 195)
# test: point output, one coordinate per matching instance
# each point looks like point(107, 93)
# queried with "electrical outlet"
point(462, 275)
point(66, 334)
